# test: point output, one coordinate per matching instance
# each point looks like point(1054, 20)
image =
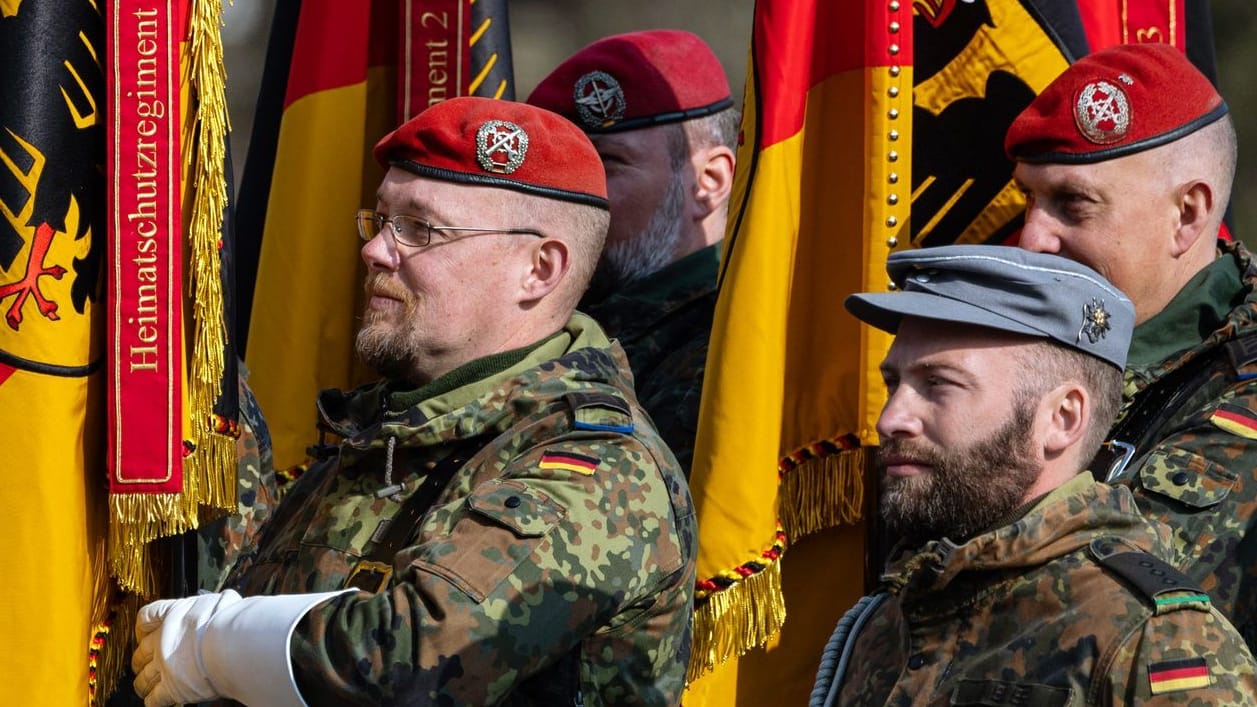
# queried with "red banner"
point(1154, 21)
point(145, 275)
point(436, 59)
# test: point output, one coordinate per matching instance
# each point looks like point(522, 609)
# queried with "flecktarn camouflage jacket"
point(664, 322)
point(221, 541)
point(1029, 614)
point(555, 568)
point(1200, 477)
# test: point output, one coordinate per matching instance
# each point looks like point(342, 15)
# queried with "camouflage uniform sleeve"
point(570, 562)
point(1185, 654)
point(1202, 482)
point(221, 542)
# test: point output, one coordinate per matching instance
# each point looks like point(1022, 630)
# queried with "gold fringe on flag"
point(110, 649)
point(210, 470)
point(737, 611)
point(138, 519)
point(822, 486)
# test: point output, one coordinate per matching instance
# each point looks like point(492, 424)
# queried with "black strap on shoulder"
point(375, 568)
point(583, 399)
point(1149, 574)
point(1153, 408)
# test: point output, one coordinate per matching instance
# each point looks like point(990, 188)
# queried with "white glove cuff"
point(246, 648)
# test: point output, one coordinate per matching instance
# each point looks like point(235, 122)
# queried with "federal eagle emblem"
point(1096, 321)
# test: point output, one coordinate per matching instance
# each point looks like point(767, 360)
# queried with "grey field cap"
point(1005, 288)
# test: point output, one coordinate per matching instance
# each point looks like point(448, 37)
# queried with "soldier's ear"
point(715, 178)
point(1067, 409)
point(550, 261)
point(1196, 211)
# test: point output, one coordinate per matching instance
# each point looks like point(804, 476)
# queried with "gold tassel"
point(210, 470)
point(135, 520)
point(741, 617)
point(822, 492)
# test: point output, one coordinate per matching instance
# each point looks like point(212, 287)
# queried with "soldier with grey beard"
point(1019, 578)
point(658, 109)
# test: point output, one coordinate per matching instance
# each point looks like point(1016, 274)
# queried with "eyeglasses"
point(416, 232)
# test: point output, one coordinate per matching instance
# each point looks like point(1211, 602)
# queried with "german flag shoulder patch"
point(1236, 420)
point(1178, 675)
point(571, 461)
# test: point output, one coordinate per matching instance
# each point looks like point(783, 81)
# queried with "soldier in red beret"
point(498, 522)
point(657, 106)
point(1126, 161)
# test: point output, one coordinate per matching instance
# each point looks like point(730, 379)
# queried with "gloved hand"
point(219, 645)
point(169, 668)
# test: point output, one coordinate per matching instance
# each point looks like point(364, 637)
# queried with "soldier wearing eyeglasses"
point(496, 521)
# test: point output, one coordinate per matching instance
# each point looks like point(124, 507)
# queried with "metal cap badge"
point(1096, 321)
point(501, 146)
point(599, 99)
point(1102, 112)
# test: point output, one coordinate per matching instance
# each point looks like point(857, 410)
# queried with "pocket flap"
point(1187, 478)
point(511, 504)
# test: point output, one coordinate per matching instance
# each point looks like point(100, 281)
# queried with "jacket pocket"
point(1186, 478)
point(506, 522)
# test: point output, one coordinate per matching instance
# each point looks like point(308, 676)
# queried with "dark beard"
point(967, 490)
point(642, 254)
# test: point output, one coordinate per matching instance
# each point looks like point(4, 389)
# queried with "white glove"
point(167, 662)
point(219, 645)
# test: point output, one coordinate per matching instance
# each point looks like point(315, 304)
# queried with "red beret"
point(1115, 102)
point(636, 80)
point(496, 143)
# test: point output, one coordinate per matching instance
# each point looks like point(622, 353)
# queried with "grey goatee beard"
point(644, 254)
point(387, 348)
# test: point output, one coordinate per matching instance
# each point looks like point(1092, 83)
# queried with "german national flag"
point(821, 194)
point(355, 71)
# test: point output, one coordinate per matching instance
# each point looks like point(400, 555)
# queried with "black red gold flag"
point(354, 72)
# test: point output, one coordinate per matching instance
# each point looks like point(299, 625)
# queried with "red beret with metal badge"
point(489, 142)
point(636, 80)
point(1115, 102)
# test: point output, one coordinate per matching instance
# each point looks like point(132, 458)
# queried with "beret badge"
point(501, 146)
point(1102, 112)
point(1095, 321)
point(599, 99)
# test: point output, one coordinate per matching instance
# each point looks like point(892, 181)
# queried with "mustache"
point(379, 284)
point(901, 449)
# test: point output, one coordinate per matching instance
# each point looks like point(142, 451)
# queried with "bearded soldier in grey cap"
point(1018, 579)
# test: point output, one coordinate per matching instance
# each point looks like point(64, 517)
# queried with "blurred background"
point(544, 32)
